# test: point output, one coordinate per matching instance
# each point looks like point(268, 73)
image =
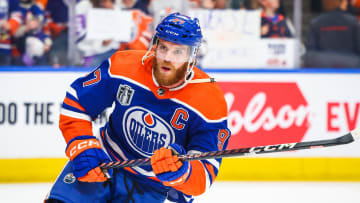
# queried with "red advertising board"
point(265, 113)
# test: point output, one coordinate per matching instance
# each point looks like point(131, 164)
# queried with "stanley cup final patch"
point(125, 94)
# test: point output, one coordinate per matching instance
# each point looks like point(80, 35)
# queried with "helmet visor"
point(172, 52)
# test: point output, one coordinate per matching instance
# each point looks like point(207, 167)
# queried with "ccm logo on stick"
point(270, 148)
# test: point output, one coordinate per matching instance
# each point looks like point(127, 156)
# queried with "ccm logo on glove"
point(86, 155)
point(78, 146)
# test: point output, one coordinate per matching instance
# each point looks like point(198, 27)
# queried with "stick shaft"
point(345, 139)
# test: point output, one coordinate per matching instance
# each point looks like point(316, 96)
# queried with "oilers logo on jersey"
point(145, 131)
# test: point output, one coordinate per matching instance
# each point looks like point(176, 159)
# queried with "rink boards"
point(265, 107)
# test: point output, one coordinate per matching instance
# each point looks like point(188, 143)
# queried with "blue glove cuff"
point(185, 168)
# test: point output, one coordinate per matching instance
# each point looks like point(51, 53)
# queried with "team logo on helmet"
point(177, 20)
point(146, 131)
point(180, 29)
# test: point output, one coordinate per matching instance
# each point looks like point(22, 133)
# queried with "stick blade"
point(356, 133)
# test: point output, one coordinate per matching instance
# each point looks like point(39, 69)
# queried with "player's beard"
point(168, 80)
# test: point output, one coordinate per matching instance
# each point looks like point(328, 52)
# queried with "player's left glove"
point(86, 155)
point(168, 168)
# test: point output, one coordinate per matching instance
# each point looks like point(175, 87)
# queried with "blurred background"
point(289, 71)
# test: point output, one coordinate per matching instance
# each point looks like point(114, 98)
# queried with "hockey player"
point(162, 105)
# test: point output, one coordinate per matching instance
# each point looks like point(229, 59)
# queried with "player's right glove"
point(86, 155)
point(170, 170)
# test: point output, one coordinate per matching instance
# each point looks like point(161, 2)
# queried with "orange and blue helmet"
point(180, 29)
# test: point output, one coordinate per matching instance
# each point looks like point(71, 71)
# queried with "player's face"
point(171, 63)
point(273, 4)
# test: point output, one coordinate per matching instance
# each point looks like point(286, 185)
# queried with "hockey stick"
point(345, 139)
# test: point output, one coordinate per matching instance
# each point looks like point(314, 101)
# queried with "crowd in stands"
point(35, 32)
point(32, 31)
point(334, 36)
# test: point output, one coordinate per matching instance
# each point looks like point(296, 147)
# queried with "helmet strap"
point(154, 41)
point(146, 56)
point(191, 64)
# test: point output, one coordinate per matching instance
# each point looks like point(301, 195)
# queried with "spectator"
point(136, 4)
point(95, 51)
point(244, 4)
point(273, 25)
point(334, 38)
point(31, 39)
point(160, 8)
point(10, 20)
point(143, 23)
point(57, 20)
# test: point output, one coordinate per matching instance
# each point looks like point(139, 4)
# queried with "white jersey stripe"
point(73, 114)
point(5, 46)
point(115, 147)
point(200, 114)
point(213, 162)
point(72, 92)
point(118, 150)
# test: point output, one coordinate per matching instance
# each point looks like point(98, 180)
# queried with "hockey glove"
point(168, 168)
point(86, 155)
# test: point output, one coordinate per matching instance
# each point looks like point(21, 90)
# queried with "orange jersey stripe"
point(43, 3)
point(73, 127)
point(134, 172)
point(196, 184)
point(210, 168)
point(14, 25)
point(193, 95)
point(73, 103)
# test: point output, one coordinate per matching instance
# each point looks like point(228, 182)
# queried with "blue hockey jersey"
point(147, 117)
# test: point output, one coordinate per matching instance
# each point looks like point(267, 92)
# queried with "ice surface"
point(226, 192)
